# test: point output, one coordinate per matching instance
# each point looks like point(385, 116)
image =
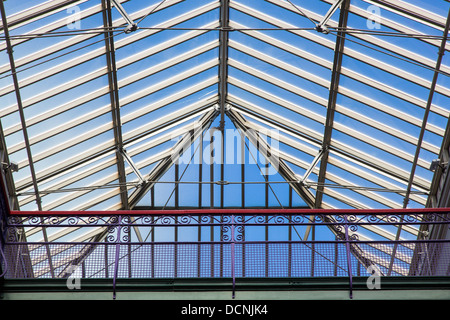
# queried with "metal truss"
point(96, 117)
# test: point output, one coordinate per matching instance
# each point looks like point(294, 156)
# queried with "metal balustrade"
point(230, 244)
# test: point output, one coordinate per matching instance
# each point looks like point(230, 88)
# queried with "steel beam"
point(269, 154)
point(166, 163)
point(422, 131)
point(334, 85)
point(321, 26)
point(428, 108)
point(326, 43)
point(114, 98)
point(412, 12)
point(248, 211)
point(23, 122)
point(38, 11)
point(65, 44)
point(297, 130)
point(223, 58)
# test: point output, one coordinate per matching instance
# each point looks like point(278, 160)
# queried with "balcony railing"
point(230, 244)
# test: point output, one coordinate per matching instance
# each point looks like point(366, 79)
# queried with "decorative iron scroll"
point(110, 250)
point(345, 226)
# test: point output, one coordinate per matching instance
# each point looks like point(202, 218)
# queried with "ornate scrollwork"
point(393, 219)
point(279, 219)
point(34, 220)
point(340, 236)
point(184, 219)
point(352, 218)
point(354, 237)
point(339, 218)
point(319, 218)
point(225, 233)
point(259, 219)
point(299, 219)
point(125, 234)
point(167, 220)
point(111, 234)
point(13, 220)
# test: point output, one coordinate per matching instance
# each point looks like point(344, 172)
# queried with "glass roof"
point(301, 105)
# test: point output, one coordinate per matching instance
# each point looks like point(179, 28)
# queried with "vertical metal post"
point(106, 260)
point(117, 256)
point(176, 219)
point(266, 228)
point(152, 240)
point(349, 263)
point(200, 193)
point(290, 236)
point(211, 167)
point(336, 256)
point(152, 197)
point(130, 265)
point(313, 250)
point(243, 200)
point(200, 171)
point(211, 195)
point(233, 276)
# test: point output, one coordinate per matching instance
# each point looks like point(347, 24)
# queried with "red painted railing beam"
point(232, 212)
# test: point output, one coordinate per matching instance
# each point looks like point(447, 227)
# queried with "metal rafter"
point(334, 85)
point(428, 108)
point(278, 162)
point(162, 167)
point(114, 97)
point(65, 44)
point(271, 156)
point(422, 133)
point(223, 58)
point(326, 43)
point(39, 11)
point(412, 12)
point(168, 158)
point(23, 123)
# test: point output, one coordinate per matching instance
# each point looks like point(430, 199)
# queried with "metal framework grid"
point(222, 244)
point(347, 100)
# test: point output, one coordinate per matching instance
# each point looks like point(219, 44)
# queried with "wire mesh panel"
point(225, 260)
point(216, 247)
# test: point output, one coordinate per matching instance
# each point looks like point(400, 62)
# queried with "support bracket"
point(320, 27)
point(131, 25)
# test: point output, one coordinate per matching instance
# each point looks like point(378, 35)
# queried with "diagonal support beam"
point(334, 85)
point(422, 132)
point(165, 164)
point(131, 25)
point(265, 149)
point(24, 125)
point(321, 25)
point(148, 182)
point(114, 98)
point(290, 176)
